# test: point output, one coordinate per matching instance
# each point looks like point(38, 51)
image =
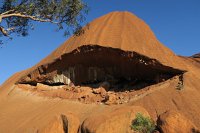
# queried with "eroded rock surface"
point(116, 121)
point(196, 55)
point(98, 95)
point(112, 72)
point(68, 123)
point(174, 122)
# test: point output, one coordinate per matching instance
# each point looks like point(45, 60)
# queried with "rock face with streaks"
point(68, 123)
point(118, 60)
point(124, 54)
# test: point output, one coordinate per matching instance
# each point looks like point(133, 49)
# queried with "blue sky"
point(176, 23)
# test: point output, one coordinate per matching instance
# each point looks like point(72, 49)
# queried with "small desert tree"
point(17, 16)
point(142, 124)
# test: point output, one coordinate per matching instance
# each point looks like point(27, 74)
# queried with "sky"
point(176, 24)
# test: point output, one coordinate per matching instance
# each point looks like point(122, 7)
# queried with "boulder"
point(111, 98)
point(100, 91)
point(174, 122)
point(105, 85)
point(116, 121)
point(68, 123)
point(84, 92)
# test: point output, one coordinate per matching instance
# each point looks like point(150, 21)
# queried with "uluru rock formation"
point(124, 48)
point(117, 61)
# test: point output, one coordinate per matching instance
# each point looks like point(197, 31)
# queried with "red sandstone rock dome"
point(122, 30)
point(110, 37)
point(123, 35)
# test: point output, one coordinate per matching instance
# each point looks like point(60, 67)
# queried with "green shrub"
point(143, 124)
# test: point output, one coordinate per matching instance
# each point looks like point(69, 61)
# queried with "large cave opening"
point(93, 65)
